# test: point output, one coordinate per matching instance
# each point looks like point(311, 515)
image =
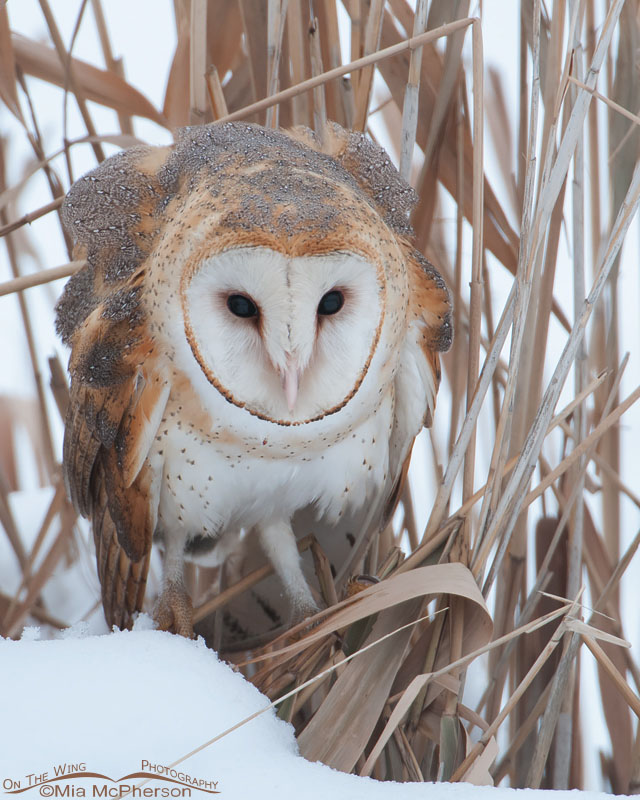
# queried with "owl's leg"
point(279, 544)
point(174, 609)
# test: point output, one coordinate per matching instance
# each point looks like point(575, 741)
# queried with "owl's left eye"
point(331, 303)
point(241, 306)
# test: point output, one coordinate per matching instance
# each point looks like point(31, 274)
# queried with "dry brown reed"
point(512, 540)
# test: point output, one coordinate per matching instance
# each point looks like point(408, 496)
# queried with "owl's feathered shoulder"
point(370, 166)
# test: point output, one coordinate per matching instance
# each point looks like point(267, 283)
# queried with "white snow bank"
point(123, 703)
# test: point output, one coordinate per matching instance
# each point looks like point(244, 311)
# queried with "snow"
point(141, 701)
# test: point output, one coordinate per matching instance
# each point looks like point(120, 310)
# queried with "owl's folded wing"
point(429, 332)
point(116, 405)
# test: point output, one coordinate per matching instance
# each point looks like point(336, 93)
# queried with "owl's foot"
point(302, 607)
point(174, 611)
point(358, 583)
point(279, 544)
point(300, 614)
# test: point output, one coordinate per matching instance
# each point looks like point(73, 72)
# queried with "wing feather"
point(108, 435)
point(79, 455)
point(140, 425)
point(122, 580)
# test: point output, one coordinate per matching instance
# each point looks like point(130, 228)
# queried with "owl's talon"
point(300, 614)
point(174, 611)
point(358, 583)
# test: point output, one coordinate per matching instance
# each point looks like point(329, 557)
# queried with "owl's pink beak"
point(290, 382)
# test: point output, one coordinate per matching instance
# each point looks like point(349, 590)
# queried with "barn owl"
point(253, 335)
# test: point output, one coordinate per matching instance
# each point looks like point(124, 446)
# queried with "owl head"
point(276, 268)
point(288, 337)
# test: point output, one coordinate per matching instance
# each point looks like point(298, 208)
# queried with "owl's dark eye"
point(241, 306)
point(331, 303)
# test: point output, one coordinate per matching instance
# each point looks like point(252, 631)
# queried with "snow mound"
point(137, 702)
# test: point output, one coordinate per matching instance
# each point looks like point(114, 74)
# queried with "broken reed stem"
point(522, 287)
point(27, 219)
point(511, 501)
point(216, 94)
point(607, 100)
point(410, 107)
point(65, 60)
point(419, 682)
point(41, 277)
point(514, 698)
point(198, 61)
point(632, 699)
point(358, 64)
point(372, 32)
point(47, 440)
point(277, 15)
point(113, 64)
point(475, 303)
point(319, 100)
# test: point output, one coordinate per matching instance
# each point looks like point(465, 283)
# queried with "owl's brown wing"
point(117, 393)
point(122, 580)
point(116, 404)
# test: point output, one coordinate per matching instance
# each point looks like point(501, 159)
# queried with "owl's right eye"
point(241, 306)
